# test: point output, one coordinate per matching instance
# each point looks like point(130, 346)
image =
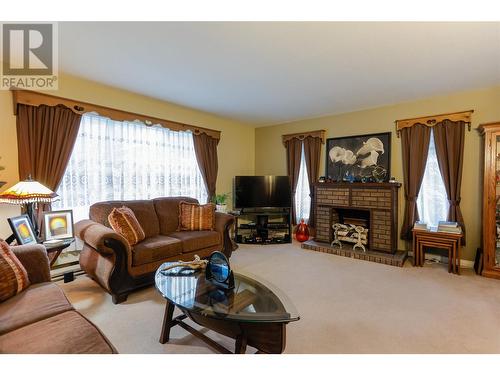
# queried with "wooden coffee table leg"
point(167, 323)
point(458, 256)
point(241, 344)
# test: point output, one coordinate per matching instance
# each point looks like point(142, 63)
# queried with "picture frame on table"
point(58, 225)
point(359, 158)
point(22, 229)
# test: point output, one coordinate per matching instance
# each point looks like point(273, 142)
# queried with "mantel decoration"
point(28, 193)
point(361, 158)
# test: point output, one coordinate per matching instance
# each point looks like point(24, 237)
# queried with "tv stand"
point(263, 226)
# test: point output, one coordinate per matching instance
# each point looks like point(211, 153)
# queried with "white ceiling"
point(267, 73)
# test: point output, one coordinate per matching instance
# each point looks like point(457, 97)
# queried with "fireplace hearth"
point(371, 205)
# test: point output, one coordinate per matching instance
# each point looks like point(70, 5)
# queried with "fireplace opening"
point(350, 220)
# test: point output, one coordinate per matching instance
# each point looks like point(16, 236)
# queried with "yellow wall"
point(236, 147)
point(270, 153)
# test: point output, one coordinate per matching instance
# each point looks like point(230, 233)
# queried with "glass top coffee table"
point(254, 313)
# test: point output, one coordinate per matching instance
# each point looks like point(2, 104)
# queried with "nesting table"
point(440, 240)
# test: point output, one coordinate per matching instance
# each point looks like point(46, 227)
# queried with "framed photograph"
point(58, 225)
point(360, 158)
point(22, 229)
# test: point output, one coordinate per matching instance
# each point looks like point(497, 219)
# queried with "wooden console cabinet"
point(491, 200)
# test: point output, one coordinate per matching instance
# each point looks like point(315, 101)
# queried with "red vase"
point(302, 231)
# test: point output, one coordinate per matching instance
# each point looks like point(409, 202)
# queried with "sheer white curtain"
point(432, 201)
point(114, 160)
point(302, 198)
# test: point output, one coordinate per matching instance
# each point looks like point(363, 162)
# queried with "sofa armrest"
point(100, 237)
point(34, 258)
point(223, 223)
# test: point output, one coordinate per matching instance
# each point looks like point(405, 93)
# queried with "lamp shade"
point(28, 191)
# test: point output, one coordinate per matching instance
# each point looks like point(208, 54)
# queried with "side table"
point(54, 250)
point(440, 240)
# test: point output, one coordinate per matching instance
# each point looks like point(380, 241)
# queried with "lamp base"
point(30, 211)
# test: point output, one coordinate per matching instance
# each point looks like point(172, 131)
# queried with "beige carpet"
point(346, 306)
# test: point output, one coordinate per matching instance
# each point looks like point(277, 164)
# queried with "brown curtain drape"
point(205, 148)
point(312, 155)
point(415, 145)
point(45, 139)
point(449, 138)
point(293, 154)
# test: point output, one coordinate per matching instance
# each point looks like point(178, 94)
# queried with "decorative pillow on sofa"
point(13, 276)
point(193, 216)
point(124, 222)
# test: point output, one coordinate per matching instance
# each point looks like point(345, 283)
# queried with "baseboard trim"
point(442, 259)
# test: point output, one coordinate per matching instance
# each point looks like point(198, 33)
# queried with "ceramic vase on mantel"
point(302, 231)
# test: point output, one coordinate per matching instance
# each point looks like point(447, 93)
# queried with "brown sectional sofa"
point(41, 319)
point(119, 268)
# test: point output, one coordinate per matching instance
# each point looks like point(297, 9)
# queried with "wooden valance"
point(464, 116)
point(36, 99)
point(315, 134)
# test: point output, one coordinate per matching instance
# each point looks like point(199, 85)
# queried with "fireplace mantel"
point(379, 199)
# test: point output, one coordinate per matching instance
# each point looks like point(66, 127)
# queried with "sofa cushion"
point(193, 216)
point(65, 333)
point(38, 302)
point(167, 210)
point(124, 222)
point(144, 211)
point(155, 248)
point(13, 276)
point(197, 240)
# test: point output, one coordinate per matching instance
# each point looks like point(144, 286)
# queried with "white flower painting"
point(359, 158)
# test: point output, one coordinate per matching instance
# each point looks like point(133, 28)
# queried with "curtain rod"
point(34, 98)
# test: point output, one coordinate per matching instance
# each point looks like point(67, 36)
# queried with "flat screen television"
point(262, 192)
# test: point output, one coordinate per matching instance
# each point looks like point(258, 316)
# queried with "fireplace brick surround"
point(379, 199)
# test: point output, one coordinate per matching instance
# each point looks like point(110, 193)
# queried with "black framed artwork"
point(360, 158)
point(22, 230)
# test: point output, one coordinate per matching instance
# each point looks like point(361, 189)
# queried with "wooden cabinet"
point(491, 200)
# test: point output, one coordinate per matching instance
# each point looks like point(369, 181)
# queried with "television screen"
point(262, 191)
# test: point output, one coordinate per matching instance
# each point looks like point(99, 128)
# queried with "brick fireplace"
point(371, 205)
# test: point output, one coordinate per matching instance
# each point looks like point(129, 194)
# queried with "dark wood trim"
point(368, 185)
point(489, 132)
point(34, 98)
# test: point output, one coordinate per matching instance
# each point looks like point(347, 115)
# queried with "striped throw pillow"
point(13, 276)
point(124, 222)
point(193, 216)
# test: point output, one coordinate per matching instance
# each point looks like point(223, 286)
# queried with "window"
point(114, 160)
point(302, 198)
point(432, 201)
